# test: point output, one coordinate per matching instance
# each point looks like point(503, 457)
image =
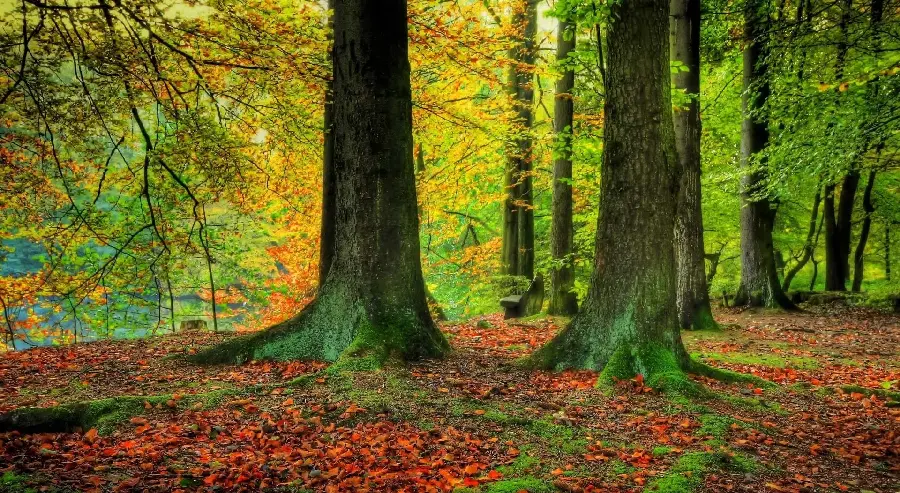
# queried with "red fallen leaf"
point(494, 475)
point(757, 391)
point(91, 435)
point(512, 451)
point(557, 472)
point(211, 479)
point(472, 469)
point(288, 402)
point(639, 380)
point(138, 421)
point(147, 405)
point(469, 482)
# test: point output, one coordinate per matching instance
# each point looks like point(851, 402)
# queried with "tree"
point(517, 251)
point(562, 276)
point(628, 323)
point(860, 253)
point(373, 299)
point(838, 226)
point(694, 311)
point(759, 277)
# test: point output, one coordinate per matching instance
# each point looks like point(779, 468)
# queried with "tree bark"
point(694, 310)
point(562, 276)
point(859, 255)
point(628, 323)
point(373, 301)
point(808, 246)
point(329, 199)
point(517, 251)
point(759, 277)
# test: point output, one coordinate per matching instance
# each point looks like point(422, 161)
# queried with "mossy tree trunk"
point(562, 276)
point(373, 299)
point(694, 310)
point(517, 251)
point(759, 275)
point(628, 323)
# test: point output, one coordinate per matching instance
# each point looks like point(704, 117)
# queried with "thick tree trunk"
point(759, 277)
point(859, 255)
point(326, 240)
point(628, 323)
point(562, 276)
point(517, 251)
point(694, 311)
point(373, 301)
point(808, 246)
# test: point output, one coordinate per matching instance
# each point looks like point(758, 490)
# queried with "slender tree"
point(694, 311)
point(562, 277)
point(759, 276)
point(808, 246)
point(517, 251)
point(628, 323)
point(860, 253)
point(373, 300)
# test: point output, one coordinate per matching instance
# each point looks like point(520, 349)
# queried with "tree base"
point(336, 327)
point(703, 320)
point(763, 298)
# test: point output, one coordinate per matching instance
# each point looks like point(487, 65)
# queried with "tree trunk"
point(759, 277)
point(838, 229)
point(628, 323)
point(859, 255)
point(329, 199)
point(517, 252)
point(562, 276)
point(887, 250)
point(694, 311)
point(373, 301)
point(808, 246)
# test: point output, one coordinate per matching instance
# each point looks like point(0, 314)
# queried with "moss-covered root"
point(658, 364)
point(728, 376)
point(102, 414)
point(336, 327)
point(689, 472)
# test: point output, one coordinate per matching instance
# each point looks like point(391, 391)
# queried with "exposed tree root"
point(336, 327)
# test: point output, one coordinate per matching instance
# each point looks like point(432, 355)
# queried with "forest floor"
point(474, 422)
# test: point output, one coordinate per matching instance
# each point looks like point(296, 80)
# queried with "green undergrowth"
point(690, 470)
point(530, 484)
point(11, 482)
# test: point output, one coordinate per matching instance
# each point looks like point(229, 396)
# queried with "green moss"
point(658, 365)
point(661, 451)
point(882, 394)
point(729, 376)
point(689, 471)
point(523, 465)
point(11, 482)
point(530, 484)
point(762, 359)
point(336, 327)
point(704, 321)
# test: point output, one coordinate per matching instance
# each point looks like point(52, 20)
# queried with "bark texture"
point(329, 200)
point(759, 276)
point(694, 310)
point(562, 277)
point(628, 323)
point(517, 251)
point(373, 301)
